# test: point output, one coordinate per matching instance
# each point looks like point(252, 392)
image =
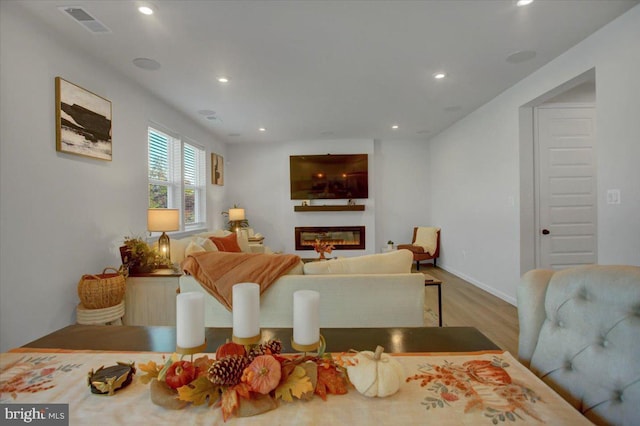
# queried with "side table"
point(151, 298)
point(432, 281)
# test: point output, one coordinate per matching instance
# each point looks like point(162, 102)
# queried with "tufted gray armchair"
point(580, 333)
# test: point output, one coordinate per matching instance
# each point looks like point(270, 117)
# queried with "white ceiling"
point(313, 70)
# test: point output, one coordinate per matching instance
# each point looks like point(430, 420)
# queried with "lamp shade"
point(163, 220)
point(236, 214)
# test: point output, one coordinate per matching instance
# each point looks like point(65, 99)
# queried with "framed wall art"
point(83, 122)
point(217, 169)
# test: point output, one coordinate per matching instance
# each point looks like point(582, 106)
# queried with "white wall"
point(61, 215)
point(584, 93)
point(475, 163)
point(258, 177)
point(402, 190)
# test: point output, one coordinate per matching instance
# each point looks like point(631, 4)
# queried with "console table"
point(151, 298)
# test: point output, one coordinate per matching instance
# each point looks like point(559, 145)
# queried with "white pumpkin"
point(376, 373)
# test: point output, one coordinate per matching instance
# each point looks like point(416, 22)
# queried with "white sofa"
point(366, 291)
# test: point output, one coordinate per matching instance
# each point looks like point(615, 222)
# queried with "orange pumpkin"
point(263, 374)
point(230, 348)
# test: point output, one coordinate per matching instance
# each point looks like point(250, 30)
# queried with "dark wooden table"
point(163, 339)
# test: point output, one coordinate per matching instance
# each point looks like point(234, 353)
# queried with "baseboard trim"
point(483, 286)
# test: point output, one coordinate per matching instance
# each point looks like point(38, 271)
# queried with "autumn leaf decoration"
point(199, 392)
point(247, 382)
point(330, 380)
point(151, 369)
point(295, 385)
point(230, 403)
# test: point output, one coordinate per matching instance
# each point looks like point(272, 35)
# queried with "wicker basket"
point(102, 290)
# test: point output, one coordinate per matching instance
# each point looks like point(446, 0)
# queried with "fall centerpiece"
point(244, 380)
point(322, 247)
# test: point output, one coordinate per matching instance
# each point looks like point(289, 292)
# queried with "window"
point(177, 177)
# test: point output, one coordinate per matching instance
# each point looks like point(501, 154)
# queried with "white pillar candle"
point(246, 310)
point(306, 317)
point(190, 320)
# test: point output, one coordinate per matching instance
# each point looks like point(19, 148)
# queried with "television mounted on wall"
point(330, 176)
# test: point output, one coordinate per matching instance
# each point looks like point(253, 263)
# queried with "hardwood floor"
point(464, 304)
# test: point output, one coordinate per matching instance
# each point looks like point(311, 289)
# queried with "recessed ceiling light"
point(262, 129)
point(223, 79)
point(523, 2)
point(145, 10)
point(146, 64)
point(395, 127)
point(439, 75)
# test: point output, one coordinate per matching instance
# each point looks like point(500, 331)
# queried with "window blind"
point(176, 172)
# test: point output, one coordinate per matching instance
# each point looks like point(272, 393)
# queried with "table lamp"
point(163, 220)
point(236, 216)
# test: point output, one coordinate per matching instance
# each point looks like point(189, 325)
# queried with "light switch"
point(613, 196)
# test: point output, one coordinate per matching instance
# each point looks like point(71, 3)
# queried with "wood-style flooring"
point(464, 304)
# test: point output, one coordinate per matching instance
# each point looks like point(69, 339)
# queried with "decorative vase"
point(321, 255)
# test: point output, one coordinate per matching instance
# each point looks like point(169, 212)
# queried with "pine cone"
point(275, 346)
point(227, 371)
point(272, 347)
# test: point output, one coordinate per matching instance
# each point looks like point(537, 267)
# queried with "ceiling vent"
point(83, 18)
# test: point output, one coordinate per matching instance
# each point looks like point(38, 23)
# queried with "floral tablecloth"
point(477, 388)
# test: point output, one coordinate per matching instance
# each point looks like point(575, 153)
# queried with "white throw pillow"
point(393, 262)
point(216, 233)
point(427, 238)
point(243, 241)
point(193, 247)
point(178, 247)
point(206, 244)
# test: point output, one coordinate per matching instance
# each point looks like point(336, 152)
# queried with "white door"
point(566, 186)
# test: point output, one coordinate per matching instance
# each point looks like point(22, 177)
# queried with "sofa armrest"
point(531, 294)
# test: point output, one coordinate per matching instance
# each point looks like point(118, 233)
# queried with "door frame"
point(525, 137)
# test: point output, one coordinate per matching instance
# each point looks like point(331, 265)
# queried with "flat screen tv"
point(331, 176)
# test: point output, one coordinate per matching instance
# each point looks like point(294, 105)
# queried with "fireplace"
point(342, 237)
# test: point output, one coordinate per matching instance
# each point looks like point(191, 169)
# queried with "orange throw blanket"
point(218, 271)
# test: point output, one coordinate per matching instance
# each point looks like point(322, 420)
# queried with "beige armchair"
point(580, 333)
point(425, 244)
